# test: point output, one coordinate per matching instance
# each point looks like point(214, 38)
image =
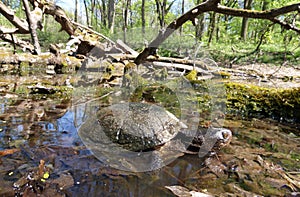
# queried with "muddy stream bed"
point(41, 152)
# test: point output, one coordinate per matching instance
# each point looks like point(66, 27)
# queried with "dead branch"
point(4, 30)
point(120, 44)
point(179, 66)
point(32, 27)
point(169, 61)
point(285, 25)
point(20, 24)
point(267, 14)
point(58, 14)
point(92, 31)
point(20, 43)
point(33, 22)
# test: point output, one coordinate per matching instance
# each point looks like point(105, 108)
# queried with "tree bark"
point(111, 15)
point(58, 14)
point(126, 11)
point(201, 24)
point(212, 26)
point(93, 13)
point(182, 12)
point(86, 12)
point(22, 27)
point(143, 17)
point(32, 26)
point(244, 29)
point(76, 11)
point(103, 13)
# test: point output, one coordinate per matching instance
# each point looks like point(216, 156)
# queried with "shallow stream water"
point(262, 159)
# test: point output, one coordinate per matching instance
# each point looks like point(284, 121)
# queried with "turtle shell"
point(136, 126)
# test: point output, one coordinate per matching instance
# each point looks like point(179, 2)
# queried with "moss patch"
point(255, 101)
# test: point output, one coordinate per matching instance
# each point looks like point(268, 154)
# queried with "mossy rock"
point(254, 101)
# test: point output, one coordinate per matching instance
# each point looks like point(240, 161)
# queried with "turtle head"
point(220, 136)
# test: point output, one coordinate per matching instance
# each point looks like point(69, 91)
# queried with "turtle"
point(138, 126)
point(141, 126)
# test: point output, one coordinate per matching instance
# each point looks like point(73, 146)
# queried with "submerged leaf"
point(8, 151)
point(184, 192)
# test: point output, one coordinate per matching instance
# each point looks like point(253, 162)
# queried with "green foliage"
point(277, 4)
point(244, 52)
point(51, 34)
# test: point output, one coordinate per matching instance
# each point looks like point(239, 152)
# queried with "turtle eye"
point(226, 135)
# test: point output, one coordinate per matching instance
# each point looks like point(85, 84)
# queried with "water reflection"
point(53, 137)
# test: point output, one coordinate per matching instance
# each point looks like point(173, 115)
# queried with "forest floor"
point(269, 75)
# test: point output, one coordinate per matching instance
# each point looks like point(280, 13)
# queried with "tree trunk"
point(160, 9)
point(163, 13)
point(32, 21)
point(227, 18)
point(22, 26)
point(212, 26)
point(182, 12)
point(103, 14)
point(244, 29)
point(93, 13)
point(86, 12)
point(200, 26)
point(218, 28)
point(58, 14)
point(126, 11)
point(76, 11)
point(111, 15)
point(98, 9)
point(143, 17)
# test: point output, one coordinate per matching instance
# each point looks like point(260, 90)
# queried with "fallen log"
point(62, 63)
point(126, 48)
point(192, 64)
point(92, 31)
